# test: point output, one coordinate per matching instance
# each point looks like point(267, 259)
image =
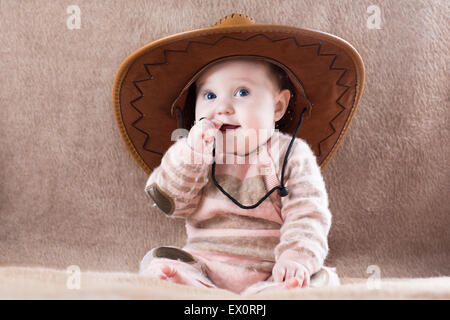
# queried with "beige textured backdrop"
point(71, 194)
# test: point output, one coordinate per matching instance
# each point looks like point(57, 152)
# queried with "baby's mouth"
point(228, 127)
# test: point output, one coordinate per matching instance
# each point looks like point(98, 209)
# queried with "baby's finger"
point(278, 274)
point(209, 140)
point(217, 123)
point(305, 283)
point(203, 124)
point(290, 273)
point(201, 120)
point(292, 283)
point(206, 123)
point(210, 134)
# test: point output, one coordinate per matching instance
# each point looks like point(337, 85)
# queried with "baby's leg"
point(175, 265)
point(230, 272)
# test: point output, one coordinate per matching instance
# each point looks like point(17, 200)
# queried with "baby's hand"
point(202, 135)
point(292, 273)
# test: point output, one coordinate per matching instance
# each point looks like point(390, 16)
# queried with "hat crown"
point(234, 19)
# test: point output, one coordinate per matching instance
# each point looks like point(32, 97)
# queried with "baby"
point(281, 243)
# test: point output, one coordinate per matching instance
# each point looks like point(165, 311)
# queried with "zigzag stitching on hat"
point(337, 100)
point(141, 115)
point(319, 47)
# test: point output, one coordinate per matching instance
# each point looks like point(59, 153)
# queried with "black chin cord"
point(282, 190)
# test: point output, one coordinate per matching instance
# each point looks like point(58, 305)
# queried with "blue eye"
point(210, 96)
point(244, 92)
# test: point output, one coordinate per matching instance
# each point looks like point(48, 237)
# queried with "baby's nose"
point(225, 106)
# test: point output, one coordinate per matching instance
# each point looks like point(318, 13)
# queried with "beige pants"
point(204, 273)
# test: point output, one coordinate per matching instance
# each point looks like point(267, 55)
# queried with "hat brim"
point(154, 78)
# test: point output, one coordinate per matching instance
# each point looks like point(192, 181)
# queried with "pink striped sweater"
point(291, 227)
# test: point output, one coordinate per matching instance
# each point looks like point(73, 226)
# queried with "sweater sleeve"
point(305, 213)
point(174, 186)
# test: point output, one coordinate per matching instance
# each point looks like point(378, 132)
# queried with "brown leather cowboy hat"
point(151, 87)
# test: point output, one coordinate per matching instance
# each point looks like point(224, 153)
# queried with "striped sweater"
point(291, 227)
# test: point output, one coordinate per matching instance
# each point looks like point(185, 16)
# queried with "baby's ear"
point(281, 103)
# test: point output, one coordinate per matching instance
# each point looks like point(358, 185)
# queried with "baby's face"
point(243, 94)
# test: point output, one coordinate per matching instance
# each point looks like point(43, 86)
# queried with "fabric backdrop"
point(72, 194)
